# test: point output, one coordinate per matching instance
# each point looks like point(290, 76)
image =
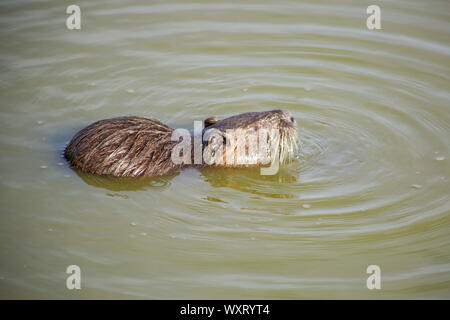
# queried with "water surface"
point(371, 185)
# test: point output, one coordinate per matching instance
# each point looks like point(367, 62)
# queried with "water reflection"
point(126, 183)
point(251, 181)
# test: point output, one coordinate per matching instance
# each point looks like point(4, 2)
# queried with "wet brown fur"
point(136, 146)
point(126, 146)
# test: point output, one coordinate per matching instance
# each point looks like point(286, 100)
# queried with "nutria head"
point(136, 146)
point(251, 138)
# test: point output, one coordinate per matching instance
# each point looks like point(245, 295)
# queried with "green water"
point(371, 185)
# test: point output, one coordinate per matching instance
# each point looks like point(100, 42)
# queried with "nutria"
point(136, 146)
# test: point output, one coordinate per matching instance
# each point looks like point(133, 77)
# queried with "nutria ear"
point(210, 121)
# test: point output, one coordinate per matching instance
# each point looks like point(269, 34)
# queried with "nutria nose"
point(292, 119)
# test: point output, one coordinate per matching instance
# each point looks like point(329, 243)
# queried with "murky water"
point(371, 186)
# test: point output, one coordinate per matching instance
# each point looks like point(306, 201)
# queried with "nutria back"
point(125, 146)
